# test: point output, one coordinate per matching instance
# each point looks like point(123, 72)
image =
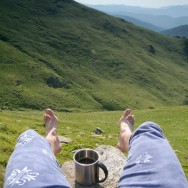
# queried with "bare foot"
point(126, 128)
point(51, 122)
point(54, 141)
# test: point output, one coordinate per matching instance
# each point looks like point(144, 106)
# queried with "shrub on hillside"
point(151, 49)
point(186, 47)
point(185, 101)
point(55, 82)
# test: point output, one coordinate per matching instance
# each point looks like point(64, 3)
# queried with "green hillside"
point(63, 55)
point(181, 31)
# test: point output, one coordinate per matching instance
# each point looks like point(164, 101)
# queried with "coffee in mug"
point(87, 166)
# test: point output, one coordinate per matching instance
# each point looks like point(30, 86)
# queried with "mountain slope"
point(181, 31)
point(162, 21)
point(63, 55)
point(140, 23)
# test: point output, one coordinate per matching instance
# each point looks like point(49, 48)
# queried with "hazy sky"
point(142, 3)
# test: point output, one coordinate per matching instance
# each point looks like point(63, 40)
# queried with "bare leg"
point(126, 128)
point(51, 122)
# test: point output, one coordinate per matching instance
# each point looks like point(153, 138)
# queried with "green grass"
point(180, 31)
point(63, 55)
point(86, 59)
point(79, 127)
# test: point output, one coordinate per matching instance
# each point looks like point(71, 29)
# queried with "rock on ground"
point(114, 160)
point(63, 139)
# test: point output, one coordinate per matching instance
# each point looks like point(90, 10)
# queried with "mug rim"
point(88, 149)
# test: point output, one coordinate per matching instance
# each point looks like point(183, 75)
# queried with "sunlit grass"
point(79, 127)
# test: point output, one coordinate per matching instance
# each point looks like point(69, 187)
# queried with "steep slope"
point(63, 55)
point(181, 31)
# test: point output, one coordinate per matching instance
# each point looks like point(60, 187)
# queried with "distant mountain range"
point(181, 31)
point(140, 23)
point(159, 18)
point(173, 11)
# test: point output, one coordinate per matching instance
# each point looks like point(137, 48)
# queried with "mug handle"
point(103, 167)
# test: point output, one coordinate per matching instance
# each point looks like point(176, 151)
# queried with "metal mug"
point(87, 166)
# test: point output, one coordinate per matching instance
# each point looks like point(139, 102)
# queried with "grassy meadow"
point(79, 127)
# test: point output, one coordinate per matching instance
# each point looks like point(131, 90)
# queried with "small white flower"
point(146, 158)
point(142, 159)
point(24, 139)
point(20, 177)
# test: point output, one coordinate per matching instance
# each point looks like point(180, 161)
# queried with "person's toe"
point(49, 112)
point(127, 112)
point(131, 119)
point(47, 119)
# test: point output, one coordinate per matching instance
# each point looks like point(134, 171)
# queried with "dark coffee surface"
point(86, 161)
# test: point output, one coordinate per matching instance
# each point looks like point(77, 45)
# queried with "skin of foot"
point(51, 122)
point(126, 128)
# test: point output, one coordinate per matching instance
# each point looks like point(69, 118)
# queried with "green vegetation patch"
point(73, 58)
point(79, 127)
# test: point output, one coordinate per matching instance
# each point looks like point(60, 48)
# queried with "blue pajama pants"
point(33, 164)
point(151, 161)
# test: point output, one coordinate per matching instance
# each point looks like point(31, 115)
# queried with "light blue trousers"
point(33, 164)
point(151, 161)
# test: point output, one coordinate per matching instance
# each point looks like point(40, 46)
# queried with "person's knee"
point(30, 132)
point(27, 133)
point(149, 127)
